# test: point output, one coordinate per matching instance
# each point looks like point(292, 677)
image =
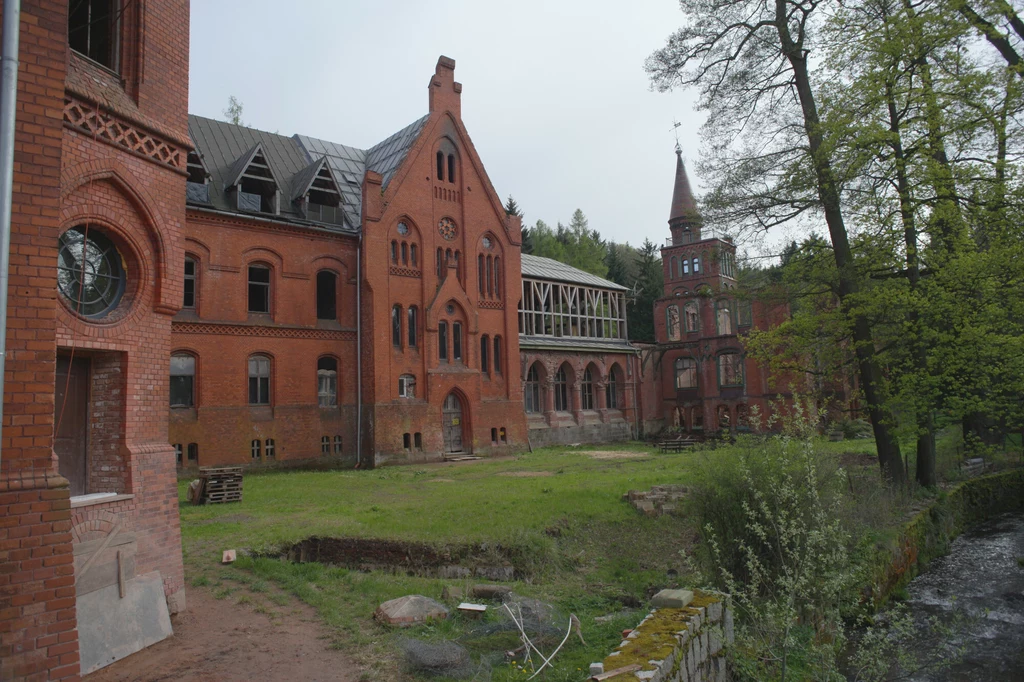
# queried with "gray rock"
point(410, 610)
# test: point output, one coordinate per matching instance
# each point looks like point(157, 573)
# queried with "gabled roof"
point(304, 179)
point(234, 176)
point(538, 267)
point(385, 157)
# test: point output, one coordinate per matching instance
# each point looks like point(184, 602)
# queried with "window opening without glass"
point(259, 289)
point(90, 276)
point(183, 374)
point(327, 382)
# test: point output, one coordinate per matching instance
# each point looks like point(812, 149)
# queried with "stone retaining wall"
point(677, 645)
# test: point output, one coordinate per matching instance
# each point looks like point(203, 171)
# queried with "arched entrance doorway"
point(451, 423)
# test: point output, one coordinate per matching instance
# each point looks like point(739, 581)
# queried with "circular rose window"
point(403, 229)
point(90, 275)
point(447, 228)
point(487, 242)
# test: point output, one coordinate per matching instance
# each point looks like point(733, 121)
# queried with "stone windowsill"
point(78, 501)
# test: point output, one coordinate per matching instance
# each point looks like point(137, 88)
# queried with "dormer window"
point(318, 191)
point(254, 183)
point(93, 30)
point(197, 189)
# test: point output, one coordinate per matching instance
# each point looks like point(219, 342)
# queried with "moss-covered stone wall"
point(929, 534)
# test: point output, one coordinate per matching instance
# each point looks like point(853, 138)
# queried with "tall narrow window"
point(691, 316)
point(259, 289)
point(485, 348)
point(259, 380)
point(177, 453)
point(531, 392)
point(480, 273)
point(268, 448)
point(440, 166)
point(686, 373)
point(439, 264)
point(255, 448)
point(456, 341)
point(326, 295)
point(325, 445)
point(412, 323)
point(696, 265)
point(327, 382)
point(451, 168)
point(93, 29)
point(442, 340)
point(490, 276)
point(686, 266)
point(497, 355)
point(744, 314)
point(723, 318)
point(405, 253)
point(587, 390)
point(561, 391)
point(497, 277)
point(672, 322)
point(672, 268)
point(183, 380)
point(412, 255)
point(396, 326)
point(337, 445)
point(458, 265)
point(611, 391)
point(193, 453)
point(189, 300)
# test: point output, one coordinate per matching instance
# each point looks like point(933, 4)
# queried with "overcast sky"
point(554, 92)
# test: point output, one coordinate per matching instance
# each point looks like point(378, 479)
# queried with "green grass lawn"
point(578, 544)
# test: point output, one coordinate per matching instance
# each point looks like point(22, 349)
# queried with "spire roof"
point(684, 206)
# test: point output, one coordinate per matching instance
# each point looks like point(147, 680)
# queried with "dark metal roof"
point(226, 149)
point(684, 206)
point(539, 267)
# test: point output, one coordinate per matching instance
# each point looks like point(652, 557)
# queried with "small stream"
point(980, 576)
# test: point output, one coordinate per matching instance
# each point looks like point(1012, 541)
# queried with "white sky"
point(555, 96)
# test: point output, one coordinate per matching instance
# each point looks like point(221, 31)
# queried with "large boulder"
point(410, 610)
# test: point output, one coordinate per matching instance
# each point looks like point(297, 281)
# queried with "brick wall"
point(108, 470)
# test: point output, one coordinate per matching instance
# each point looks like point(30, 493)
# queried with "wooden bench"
point(677, 445)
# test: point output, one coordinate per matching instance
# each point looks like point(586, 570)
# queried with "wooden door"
point(451, 423)
point(71, 420)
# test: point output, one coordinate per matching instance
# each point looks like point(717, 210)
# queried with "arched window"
point(259, 289)
point(396, 326)
point(457, 341)
point(480, 274)
point(451, 168)
point(611, 391)
point(744, 314)
point(531, 393)
point(691, 316)
point(337, 445)
point(326, 295)
point(412, 255)
point(439, 264)
point(686, 373)
point(413, 323)
point(405, 253)
point(490, 276)
point(497, 355)
point(189, 299)
point(672, 322)
point(743, 417)
point(562, 397)
point(730, 369)
point(440, 166)
point(183, 380)
point(686, 266)
point(255, 448)
point(394, 252)
point(485, 348)
point(723, 318)
point(327, 381)
point(724, 417)
point(259, 380)
point(497, 277)
point(269, 448)
point(697, 419)
point(587, 390)
point(442, 340)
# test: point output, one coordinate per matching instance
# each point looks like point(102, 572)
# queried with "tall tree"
point(512, 208)
point(752, 63)
point(647, 289)
point(233, 112)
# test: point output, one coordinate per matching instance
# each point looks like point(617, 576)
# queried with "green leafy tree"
point(233, 112)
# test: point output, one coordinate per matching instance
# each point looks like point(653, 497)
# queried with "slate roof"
point(226, 149)
point(684, 206)
point(538, 267)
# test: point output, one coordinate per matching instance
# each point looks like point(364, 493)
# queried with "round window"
point(450, 309)
point(90, 274)
point(403, 229)
point(487, 242)
point(446, 227)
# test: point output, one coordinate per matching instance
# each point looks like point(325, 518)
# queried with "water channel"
point(982, 577)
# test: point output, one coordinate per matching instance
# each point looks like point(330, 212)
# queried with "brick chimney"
point(445, 93)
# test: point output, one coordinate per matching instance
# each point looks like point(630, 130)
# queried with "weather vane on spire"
point(675, 129)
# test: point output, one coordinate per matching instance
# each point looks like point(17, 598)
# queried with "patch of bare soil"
point(525, 474)
point(217, 639)
point(441, 480)
point(614, 454)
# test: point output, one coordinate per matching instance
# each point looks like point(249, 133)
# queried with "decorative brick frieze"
point(102, 125)
point(261, 330)
point(404, 272)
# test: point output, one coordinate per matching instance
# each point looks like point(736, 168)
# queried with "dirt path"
point(218, 639)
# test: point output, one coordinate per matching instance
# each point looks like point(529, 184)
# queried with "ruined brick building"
point(188, 292)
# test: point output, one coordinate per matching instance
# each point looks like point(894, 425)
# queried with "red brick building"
point(701, 381)
point(88, 497)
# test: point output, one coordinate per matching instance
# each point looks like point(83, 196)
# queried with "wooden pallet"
point(220, 484)
point(676, 445)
